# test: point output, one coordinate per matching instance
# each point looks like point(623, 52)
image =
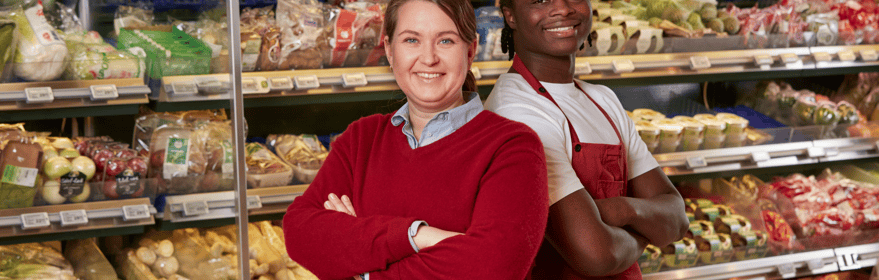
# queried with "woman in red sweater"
point(439, 190)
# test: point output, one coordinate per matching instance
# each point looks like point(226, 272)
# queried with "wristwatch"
point(413, 230)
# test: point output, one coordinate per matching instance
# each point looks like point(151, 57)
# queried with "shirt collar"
point(458, 116)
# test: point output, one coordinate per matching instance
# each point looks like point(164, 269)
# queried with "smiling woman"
point(437, 187)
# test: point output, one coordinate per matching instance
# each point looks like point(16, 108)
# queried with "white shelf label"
point(623, 66)
point(789, 58)
point(787, 270)
point(135, 212)
point(822, 57)
point(249, 86)
point(763, 59)
point(476, 73)
point(254, 202)
point(207, 82)
point(847, 261)
point(815, 152)
point(831, 151)
point(104, 92)
point(73, 218)
point(789, 160)
point(699, 62)
point(195, 208)
point(760, 156)
point(582, 68)
point(869, 55)
point(39, 95)
point(696, 162)
point(184, 88)
point(35, 220)
point(307, 82)
point(815, 265)
point(280, 84)
point(353, 79)
point(846, 55)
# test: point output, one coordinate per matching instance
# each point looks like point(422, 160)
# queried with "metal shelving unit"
point(65, 99)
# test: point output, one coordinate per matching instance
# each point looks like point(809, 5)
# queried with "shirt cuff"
point(413, 229)
point(365, 276)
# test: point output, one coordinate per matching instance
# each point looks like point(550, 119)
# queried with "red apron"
point(601, 168)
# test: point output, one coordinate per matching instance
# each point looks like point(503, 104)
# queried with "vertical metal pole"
point(89, 129)
point(85, 14)
point(233, 15)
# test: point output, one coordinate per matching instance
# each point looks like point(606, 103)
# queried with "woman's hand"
point(341, 205)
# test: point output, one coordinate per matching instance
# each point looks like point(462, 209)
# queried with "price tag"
point(699, 62)
point(476, 73)
point(353, 79)
point(623, 66)
point(207, 82)
point(135, 212)
point(307, 82)
point(39, 95)
point(847, 261)
point(280, 84)
point(582, 68)
point(696, 162)
point(869, 55)
point(815, 264)
point(184, 88)
point(822, 57)
point(254, 202)
point(249, 86)
point(815, 151)
point(831, 151)
point(195, 208)
point(104, 92)
point(787, 270)
point(73, 218)
point(789, 58)
point(760, 156)
point(763, 60)
point(846, 55)
point(35, 220)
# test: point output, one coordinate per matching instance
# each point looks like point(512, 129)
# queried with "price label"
point(184, 88)
point(73, 218)
point(280, 84)
point(104, 92)
point(789, 58)
point(699, 62)
point(787, 270)
point(869, 55)
point(831, 151)
point(135, 212)
point(195, 208)
point(353, 79)
point(207, 82)
point(846, 55)
point(254, 202)
point(476, 73)
point(35, 220)
point(847, 261)
point(822, 57)
point(623, 66)
point(696, 162)
point(760, 156)
point(249, 86)
point(307, 82)
point(39, 95)
point(815, 264)
point(815, 151)
point(582, 68)
point(763, 60)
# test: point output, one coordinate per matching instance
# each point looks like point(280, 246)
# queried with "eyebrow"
point(440, 34)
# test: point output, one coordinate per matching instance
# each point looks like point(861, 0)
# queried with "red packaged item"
point(124, 176)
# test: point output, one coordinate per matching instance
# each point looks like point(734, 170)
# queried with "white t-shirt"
point(514, 99)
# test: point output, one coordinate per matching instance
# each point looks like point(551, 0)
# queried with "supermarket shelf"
point(856, 257)
point(221, 205)
point(91, 216)
point(784, 266)
point(727, 159)
point(71, 99)
point(847, 149)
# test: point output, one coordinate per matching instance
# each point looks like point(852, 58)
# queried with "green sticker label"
point(21, 176)
point(176, 152)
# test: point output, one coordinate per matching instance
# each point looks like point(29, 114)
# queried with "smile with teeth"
point(557, 29)
point(428, 75)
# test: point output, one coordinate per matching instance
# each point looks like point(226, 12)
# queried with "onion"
point(84, 165)
point(52, 192)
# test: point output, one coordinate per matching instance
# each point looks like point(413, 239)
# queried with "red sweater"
point(486, 180)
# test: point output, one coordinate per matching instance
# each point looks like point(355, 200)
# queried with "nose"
point(428, 54)
point(562, 8)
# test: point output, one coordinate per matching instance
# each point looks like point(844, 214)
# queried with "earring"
point(589, 39)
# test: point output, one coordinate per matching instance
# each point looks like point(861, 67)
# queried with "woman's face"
point(428, 56)
point(551, 27)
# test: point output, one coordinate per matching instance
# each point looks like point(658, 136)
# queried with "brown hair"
point(460, 11)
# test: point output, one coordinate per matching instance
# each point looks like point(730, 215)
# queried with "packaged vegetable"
point(20, 163)
point(304, 153)
point(826, 114)
point(91, 58)
point(176, 166)
point(489, 24)
point(847, 113)
point(8, 43)
point(34, 261)
point(805, 108)
point(265, 169)
point(125, 176)
point(88, 261)
point(357, 31)
point(214, 140)
point(41, 54)
point(302, 35)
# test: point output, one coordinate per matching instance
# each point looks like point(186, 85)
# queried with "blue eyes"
point(415, 41)
point(446, 41)
point(410, 40)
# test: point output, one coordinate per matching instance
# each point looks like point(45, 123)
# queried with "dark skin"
point(596, 237)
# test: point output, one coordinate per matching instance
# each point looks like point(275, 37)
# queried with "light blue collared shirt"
point(442, 124)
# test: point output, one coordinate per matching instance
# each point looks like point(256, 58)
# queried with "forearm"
point(656, 218)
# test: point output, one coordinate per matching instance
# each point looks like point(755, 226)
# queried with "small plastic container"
point(650, 261)
point(736, 140)
point(680, 254)
point(750, 245)
point(648, 115)
point(670, 133)
point(649, 134)
point(735, 125)
point(714, 248)
point(693, 135)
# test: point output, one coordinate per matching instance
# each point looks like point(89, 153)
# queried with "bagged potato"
point(41, 53)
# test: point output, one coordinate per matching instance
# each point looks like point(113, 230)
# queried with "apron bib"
point(603, 171)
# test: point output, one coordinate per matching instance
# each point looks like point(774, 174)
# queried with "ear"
point(509, 18)
point(389, 50)
point(471, 52)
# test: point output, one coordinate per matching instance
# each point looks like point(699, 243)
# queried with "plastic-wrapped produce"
point(302, 36)
point(357, 30)
point(41, 53)
point(826, 113)
point(88, 261)
point(8, 43)
point(91, 58)
point(304, 153)
point(489, 23)
point(265, 169)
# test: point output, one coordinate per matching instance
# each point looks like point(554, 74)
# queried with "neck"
point(419, 117)
point(547, 68)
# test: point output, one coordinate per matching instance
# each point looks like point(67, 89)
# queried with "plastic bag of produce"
point(195, 260)
point(41, 53)
point(91, 58)
point(304, 153)
point(302, 35)
point(357, 31)
point(265, 169)
point(34, 261)
point(176, 167)
point(8, 43)
point(133, 17)
point(214, 140)
point(19, 174)
point(124, 176)
point(88, 261)
point(489, 23)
